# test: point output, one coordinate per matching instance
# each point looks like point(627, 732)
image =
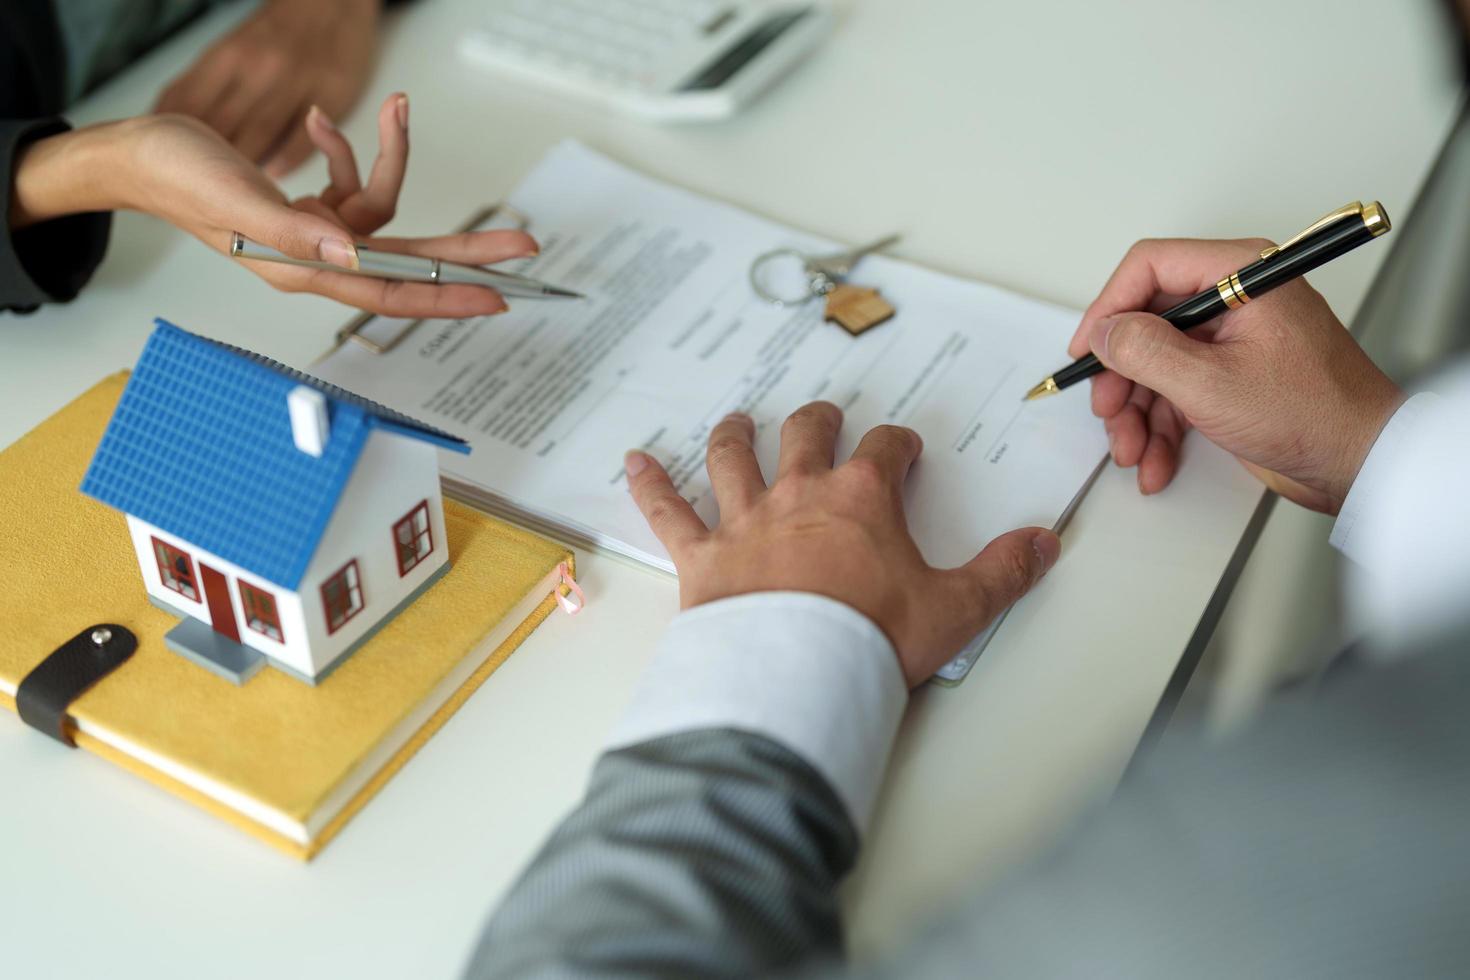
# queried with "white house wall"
point(293, 652)
point(393, 474)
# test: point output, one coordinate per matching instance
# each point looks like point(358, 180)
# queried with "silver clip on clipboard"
point(353, 330)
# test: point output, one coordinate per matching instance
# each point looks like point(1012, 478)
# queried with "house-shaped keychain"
point(284, 518)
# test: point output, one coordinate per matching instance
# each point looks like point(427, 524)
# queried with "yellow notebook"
point(285, 761)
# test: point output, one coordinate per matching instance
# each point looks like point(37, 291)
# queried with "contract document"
point(671, 338)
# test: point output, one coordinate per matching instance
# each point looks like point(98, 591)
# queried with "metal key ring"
point(817, 282)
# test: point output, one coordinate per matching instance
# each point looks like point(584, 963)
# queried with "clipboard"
point(953, 674)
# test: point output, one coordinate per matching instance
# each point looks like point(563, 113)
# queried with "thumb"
point(1154, 353)
point(1006, 570)
point(301, 235)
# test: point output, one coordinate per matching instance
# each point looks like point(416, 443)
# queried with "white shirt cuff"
point(800, 669)
point(1376, 475)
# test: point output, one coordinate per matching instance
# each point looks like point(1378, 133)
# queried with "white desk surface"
point(1023, 144)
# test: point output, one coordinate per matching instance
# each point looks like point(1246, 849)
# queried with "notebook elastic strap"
point(45, 694)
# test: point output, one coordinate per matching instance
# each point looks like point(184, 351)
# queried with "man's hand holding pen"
point(1278, 382)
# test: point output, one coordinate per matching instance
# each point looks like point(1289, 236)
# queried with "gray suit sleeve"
point(1330, 841)
point(705, 854)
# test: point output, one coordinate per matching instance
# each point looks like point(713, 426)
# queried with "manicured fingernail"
point(403, 111)
point(338, 251)
point(741, 418)
point(322, 119)
point(1097, 339)
point(635, 463)
point(1112, 445)
point(1048, 547)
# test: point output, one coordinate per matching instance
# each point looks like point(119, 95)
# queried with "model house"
point(284, 519)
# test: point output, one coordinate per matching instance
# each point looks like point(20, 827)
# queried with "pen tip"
point(558, 291)
point(1047, 387)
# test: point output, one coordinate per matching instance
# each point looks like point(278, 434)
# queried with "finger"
point(227, 114)
point(374, 206)
point(295, 232)
point(195, 91)
point(1128, 430)
point(889, 450)
point(387, 297)
point(270, 124)
point(1177, 267)
point(1161, 303)
point(342, 176)
point(1127, 435)
point(1005, 571)
point(1155, 355)
point(314, 205)
point(1110, 392)
point(1160, 459)
point(809, 438)
point(734, 472)
point(290, 155)
point(1077, 346)
point(670, 517)
point(466, 247)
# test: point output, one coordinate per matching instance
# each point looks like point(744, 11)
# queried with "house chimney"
point(309, 427)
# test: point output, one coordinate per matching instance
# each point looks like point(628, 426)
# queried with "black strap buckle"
point(48, 690)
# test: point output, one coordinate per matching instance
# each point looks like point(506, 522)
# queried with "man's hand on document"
point(837, 531)
point(1279, 382)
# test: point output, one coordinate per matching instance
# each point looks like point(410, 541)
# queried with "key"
point(856, 309)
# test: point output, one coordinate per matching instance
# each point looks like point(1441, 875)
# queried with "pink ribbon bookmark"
point(572, 589)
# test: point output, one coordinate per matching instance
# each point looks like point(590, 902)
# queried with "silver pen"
point(411, 268)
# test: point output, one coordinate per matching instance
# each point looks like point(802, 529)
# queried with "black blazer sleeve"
point(52, 260)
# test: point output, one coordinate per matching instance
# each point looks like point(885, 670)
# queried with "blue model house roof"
point(201, 446)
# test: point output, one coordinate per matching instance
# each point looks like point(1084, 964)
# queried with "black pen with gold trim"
point(1330, 236)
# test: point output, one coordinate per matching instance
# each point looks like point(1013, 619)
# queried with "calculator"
point(669, 60)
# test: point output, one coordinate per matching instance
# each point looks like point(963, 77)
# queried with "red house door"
point(217, 596)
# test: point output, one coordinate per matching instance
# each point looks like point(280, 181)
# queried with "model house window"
point(342, 596)
point(261, 614)
point(176, 569)
point(411, 538)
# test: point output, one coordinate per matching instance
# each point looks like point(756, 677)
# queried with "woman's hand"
point(255, 85)
point(180, 170)
point(1278, 382)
